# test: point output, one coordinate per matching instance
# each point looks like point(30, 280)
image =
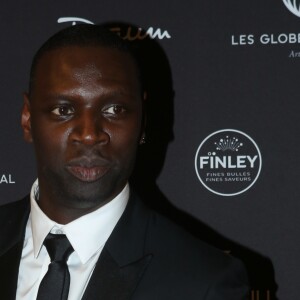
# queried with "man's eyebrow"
point(119, 92)
point(59, 96)
point(106, 93)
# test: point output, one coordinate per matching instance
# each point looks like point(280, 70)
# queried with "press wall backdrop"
point(222, 151)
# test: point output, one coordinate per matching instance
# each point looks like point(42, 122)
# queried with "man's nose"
point(90, 129)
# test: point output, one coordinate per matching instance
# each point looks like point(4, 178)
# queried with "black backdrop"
point(212, 65)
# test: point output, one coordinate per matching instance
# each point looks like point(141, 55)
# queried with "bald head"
point(82, 35)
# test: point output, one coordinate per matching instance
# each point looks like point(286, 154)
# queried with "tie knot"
point(58, 247)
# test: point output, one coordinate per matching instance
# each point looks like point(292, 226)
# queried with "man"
point(84, 115)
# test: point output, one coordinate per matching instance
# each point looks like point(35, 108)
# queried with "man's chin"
point(86, 200)
point(88, 194)
point(94, 190)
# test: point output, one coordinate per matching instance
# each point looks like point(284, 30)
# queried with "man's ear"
point(26, 120)
point(144, 120)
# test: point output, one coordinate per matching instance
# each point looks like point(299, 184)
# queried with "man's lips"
point(87, 169)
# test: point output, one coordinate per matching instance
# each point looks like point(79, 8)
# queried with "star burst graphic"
point(232, 144)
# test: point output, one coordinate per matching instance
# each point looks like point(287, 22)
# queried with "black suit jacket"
point(146, 258)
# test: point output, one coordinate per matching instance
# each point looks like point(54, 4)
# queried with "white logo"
point(129, 33)
point(228, 162)
point(140, 34)
point(293, 6)
point(6, 179)
point(74, 20)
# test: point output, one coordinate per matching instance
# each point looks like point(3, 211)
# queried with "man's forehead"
point(86, 60)
point(85, 63)
point(88, 68)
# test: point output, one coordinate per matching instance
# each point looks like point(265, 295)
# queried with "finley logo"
point(293, 6)
point(228, 162)
point(128, 34)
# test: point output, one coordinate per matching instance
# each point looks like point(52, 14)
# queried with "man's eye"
point(63, 111)
point(114, 110)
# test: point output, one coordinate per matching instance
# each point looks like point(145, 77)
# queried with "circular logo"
point(293, 6)
point(228, 162)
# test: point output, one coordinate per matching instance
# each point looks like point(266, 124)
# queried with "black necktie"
point(56, 282)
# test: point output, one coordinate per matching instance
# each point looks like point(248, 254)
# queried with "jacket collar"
point(13, 218)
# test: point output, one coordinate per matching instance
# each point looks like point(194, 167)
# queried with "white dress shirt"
point(87, 234)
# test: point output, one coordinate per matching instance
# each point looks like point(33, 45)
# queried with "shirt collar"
point(86, 234)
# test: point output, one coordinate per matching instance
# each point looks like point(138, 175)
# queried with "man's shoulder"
point(168, 238)
point(13, 218)
point(15, 204)
point(183, 265)
point(14, 209)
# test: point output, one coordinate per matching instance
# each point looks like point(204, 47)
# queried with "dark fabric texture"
point(146, 257)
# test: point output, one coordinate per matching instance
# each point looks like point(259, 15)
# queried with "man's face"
point(84, 117)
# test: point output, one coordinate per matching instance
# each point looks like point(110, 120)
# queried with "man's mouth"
point(87, 170)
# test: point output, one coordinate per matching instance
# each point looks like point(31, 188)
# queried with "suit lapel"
point(13, 222)
point(123, 260)
point(112, 282)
